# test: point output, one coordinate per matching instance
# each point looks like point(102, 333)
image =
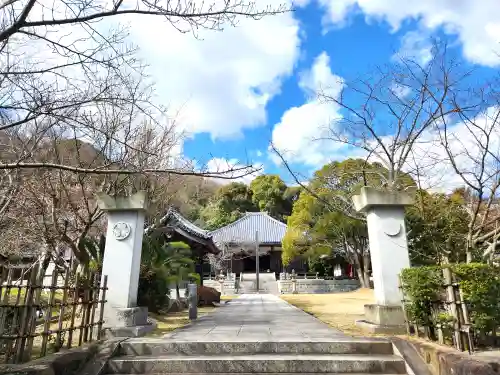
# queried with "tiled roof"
point(270, 230)
point(174, 218)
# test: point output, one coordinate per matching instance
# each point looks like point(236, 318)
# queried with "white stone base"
point(383, 319)
point(127, 322)
point(136, 331)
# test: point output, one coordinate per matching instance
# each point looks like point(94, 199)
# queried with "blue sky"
point(235, 91)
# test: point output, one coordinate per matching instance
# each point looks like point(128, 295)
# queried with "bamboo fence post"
point(60, 337)
point(466, 323)
point(17, 312)
point(48, 313)
point(95, 300)
point(73, 311)
point(104, 286)
point(37, 293)
point(85, 313)
point(5, 310)
point(25, 332)
point(452, 305)
point(6, 299)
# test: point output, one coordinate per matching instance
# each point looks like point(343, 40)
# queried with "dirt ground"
point(339, 310)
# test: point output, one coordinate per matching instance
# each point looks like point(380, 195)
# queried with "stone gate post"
point(121, 263)
point(385, 214)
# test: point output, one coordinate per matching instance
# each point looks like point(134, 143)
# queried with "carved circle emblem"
point(121, 231)
point(392, 228)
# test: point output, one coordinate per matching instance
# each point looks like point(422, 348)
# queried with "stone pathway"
point(256, 317)
point(257, 334)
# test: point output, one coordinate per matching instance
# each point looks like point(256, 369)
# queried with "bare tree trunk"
point(468, 250)
point(360, 271)
point(361, 278)
point(44, 264)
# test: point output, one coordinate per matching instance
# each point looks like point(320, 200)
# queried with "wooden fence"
point(447, 317)
point(38, 318)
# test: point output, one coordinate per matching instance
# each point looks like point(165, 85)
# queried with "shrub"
point(421, 286)
point(153, 291)
point(480, 286)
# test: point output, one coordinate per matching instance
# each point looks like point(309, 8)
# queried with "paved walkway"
point(256, 317)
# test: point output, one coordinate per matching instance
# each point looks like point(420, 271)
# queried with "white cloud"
point(467, 144)
point(221, 165)
point(296, 135)
point(400, 91)
point(477, 24)
point(213, 82)
point(417, 46)
point(222, 81)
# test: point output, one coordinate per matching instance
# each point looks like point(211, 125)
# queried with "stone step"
point(159, 347)
point(237, 364)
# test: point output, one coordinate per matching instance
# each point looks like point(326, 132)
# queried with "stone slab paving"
point(257, 317)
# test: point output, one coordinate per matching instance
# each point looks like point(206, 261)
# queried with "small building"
point(240, 239)
point(174, 227)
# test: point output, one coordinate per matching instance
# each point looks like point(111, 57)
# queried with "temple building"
point(174, 227)
point(239, 241)
point(236, 243)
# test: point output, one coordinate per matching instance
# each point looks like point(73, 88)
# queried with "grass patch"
point(339, 310)
point(228, 298)
point(14, 292)
point(169, 321)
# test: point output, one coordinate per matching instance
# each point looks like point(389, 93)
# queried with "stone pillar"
point(385, 213)
point(294, 284)
point(121, 263)
point(193, 301)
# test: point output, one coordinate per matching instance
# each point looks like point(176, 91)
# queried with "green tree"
point(229, 203)
point(437, 228)
point(324, 221)
point(268, 194)
point(161, 264)
point(314, 232)
point(179, 263)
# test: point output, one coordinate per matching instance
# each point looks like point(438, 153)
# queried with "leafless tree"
point(67, 68)
point(471, 146)
point(389, 112)
point(77, 114)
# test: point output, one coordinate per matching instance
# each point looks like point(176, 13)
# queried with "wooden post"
point(193, 301)
point(76, 291)
point(48, 312)
point(27, 310)
point(452, 303)
point(101, 308)
point(10, 352)
point(5, 310)
point(37, 291)
point(466, 323)
point(64, 301)
point(95, 302)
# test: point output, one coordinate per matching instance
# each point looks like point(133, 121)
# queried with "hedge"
point(424, 288)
